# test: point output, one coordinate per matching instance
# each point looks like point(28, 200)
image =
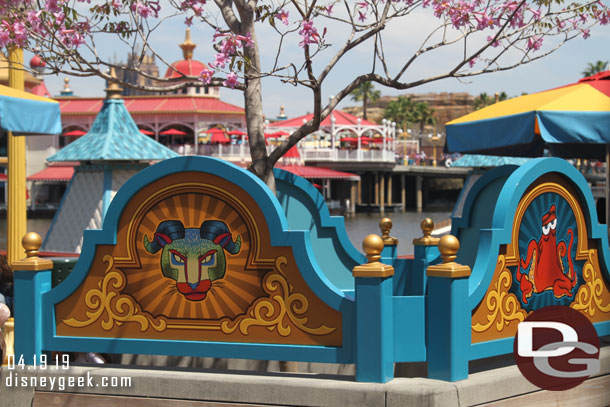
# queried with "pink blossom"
point(472, 62)
point(206, 76)
point(52, 6)
point(534, 42)
point(188, 21)
point(495, 43)
point(361, 16)
point(309, 33)
point(484, 21)
point(144, 10)
point(221, 60)
point(116, 4)
point(5, 36)
point(282, 15)
point(231, 81)
point(586, 33)
point(329, 9)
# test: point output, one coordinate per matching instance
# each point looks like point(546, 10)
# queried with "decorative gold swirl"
point(502, 307)
point(588, 298)
point(276, 312)
point(119, 308)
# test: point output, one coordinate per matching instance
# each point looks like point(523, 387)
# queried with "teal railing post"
point(425, 252)
point(448, 318)
point(374, 315)
point(390, 244)
point(32, 277)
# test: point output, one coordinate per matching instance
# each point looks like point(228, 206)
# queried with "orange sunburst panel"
point(135, 289)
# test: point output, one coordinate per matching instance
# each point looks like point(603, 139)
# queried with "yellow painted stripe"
point(577, 98)
point(19, 94)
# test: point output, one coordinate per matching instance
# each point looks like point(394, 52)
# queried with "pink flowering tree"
point(491, 35)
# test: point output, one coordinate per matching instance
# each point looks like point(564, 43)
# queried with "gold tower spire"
point(188, 46)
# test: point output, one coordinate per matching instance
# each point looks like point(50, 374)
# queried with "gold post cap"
point(31, 242)
point(372, 246)
point(427, 226)
point(385, 225)
point(448, 246)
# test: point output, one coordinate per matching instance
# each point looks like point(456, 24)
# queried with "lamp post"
point(434, 139)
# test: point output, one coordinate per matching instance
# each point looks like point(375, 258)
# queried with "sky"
point(562, 67)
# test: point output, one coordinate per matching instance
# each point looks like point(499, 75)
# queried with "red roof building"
point(192, 110)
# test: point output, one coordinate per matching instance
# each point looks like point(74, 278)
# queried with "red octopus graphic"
point(545, 257)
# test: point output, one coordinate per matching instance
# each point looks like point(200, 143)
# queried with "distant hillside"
point(447, 106)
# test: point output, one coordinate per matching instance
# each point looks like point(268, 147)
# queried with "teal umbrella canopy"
point(114, 136)
point(25, 113)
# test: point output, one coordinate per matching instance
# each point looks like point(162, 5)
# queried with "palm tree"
point(484, 100)
point(422, 114)
point(399, 111)
point(367, 93)
point(596, 67)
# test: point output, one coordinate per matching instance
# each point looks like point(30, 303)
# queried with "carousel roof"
point(113, 136)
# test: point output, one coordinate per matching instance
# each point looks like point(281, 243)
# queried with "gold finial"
point(188, 46)
point(385, 225)
point(448, 246)
point(427, 226)
point(31, 242)
point(67, 85)
point(372, 246)
point(113, 91)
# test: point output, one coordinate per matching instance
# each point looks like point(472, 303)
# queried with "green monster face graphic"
point(193, 257)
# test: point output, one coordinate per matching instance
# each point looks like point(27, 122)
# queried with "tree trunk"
point(253, 101)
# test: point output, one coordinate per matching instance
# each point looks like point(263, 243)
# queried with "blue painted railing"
point(403, 316)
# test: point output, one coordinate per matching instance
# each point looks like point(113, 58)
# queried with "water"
point(405, 227)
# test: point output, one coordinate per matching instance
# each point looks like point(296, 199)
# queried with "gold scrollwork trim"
point(588, 298)
point(278, 311)
point(119, 308)
point(502, 307)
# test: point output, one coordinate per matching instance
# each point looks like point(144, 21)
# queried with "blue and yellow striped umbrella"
point(571, 121)
point(25, 113)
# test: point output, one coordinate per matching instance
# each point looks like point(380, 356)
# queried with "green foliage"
point(595, 67)
point(366, 93)
point(406, 113)
point(484, 100)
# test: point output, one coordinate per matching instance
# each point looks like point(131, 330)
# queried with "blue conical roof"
point(114, 136)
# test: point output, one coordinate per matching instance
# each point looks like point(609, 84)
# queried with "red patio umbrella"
point(147, 132)
point(236, 133)
point(75, 133)
point(219, 138)
point(363, 140)
point(277, 134)
point(173, 132)
point(380, 140)
point(292, 153)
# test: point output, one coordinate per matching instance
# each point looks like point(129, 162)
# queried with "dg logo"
point(556, 348)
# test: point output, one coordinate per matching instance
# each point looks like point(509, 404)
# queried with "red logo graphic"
point(556, 348)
